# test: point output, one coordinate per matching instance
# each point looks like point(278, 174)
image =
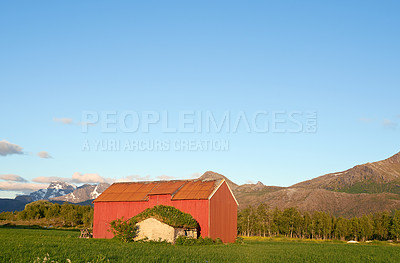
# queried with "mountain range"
point(363, 189)
point(366, 188)
point(55, 189)
point(83, 193)
point(56, 192)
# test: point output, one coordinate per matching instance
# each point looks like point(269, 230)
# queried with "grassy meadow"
point(41, 245)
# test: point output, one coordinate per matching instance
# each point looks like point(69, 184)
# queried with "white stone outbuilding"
point(153, 229)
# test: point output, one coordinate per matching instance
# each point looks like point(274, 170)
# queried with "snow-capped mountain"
point(83, 193)
point(55, 189)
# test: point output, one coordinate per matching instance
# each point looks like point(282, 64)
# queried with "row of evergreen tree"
point(65, 214)
point(263, 221)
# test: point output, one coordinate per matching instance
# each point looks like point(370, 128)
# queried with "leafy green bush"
point(7, 216)
point(35, 210)
point(205, 241)
point(125, 230)
point(168, 215)
point(218, 241)
point(185, 241)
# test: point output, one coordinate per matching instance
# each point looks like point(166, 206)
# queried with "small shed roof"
point(178, 189)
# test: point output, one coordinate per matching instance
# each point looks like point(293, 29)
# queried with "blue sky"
point(59, 60)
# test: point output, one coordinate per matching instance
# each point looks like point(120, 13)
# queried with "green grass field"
point(26, 245)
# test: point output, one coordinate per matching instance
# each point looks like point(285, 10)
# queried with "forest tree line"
point(290, 222)
point(53, 214)
point(252, 221)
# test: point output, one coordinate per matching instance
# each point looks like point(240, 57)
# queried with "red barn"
point(210, 202)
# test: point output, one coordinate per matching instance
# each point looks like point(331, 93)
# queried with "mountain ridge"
point(83, 193)
point(362, 189)
point(366, 188)
point(376, 177)
point(55, 189)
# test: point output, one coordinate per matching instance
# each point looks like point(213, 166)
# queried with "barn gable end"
point(223, 214)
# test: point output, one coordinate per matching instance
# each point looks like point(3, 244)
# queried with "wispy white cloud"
point(165, 177)
point(70, 121)
point(136, 177)
point(388, 124)
point(133, 178)
point(75, 178)
point(194, 175)
point(49, 179)
point(12, 177)
point(7, 148)
point(19, 186)
point(44, 155)
point(250, 182)
point(63, 120)
point(87, 178)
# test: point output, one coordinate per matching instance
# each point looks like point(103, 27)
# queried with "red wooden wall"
point(223, 215)
point(105, 212)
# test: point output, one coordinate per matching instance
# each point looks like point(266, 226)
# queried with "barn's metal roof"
point(178, 189)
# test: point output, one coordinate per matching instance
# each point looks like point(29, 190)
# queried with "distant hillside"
point(209, 175)
point(258, 188)
point(252, 194)
point(336, 203)
point(9, 205)
point(377, 177)
point(363, 189)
